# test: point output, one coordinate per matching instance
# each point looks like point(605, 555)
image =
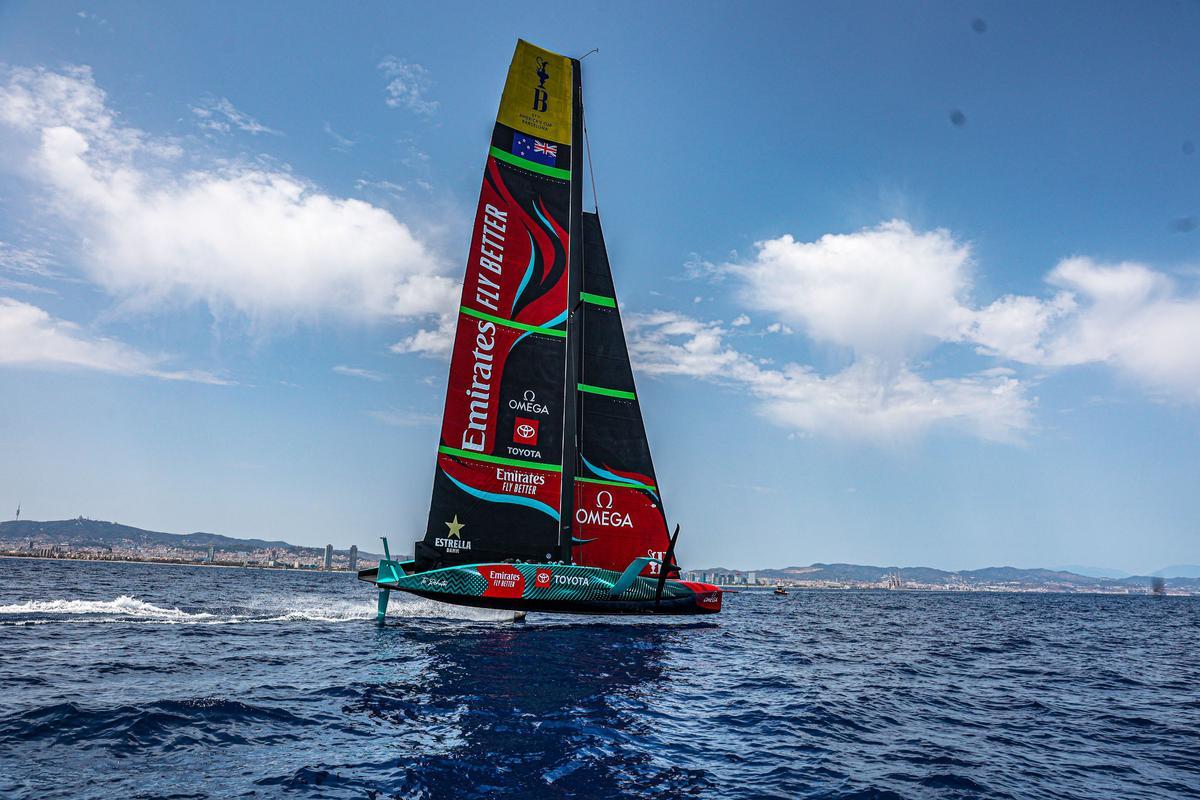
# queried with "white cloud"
point(397, 418)
point(430, 342)
point(1013, 326)
point(35, 99)
point(30, 337)
point(1127, 315)
point(1132, 317)
point(886, 291)
point(340, 143)
point(390, 187)
point(218, 115)
point(890, 294)
point(358, 372)
point(261, 242)
point(21, 261)
point(407, 86)
point(871, 399)
point(26, 265)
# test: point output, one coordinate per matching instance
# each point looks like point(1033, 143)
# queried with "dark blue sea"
point(138, 681)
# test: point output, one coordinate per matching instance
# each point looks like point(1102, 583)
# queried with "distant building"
point(212, 551)
point(751, 578)
point(328, 556)
point(353, 558)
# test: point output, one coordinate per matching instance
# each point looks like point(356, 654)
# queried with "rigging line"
point(587, 145)
point(588, 53)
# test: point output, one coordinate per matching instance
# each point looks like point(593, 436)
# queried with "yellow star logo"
point(456, 527)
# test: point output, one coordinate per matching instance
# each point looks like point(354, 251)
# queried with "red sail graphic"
point(498, 482)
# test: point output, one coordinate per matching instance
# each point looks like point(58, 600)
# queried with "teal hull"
point(557, 588)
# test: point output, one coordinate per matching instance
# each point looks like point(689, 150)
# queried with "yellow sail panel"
point(537, 94)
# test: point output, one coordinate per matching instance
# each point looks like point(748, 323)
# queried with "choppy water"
point(134, 681)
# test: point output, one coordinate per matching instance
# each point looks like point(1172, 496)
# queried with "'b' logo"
point(540, 96)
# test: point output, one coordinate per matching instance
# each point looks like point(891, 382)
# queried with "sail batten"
point(512, 323)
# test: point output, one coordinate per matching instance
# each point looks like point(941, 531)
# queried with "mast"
point(571, 420)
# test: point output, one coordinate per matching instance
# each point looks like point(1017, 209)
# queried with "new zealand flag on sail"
point(535, 150)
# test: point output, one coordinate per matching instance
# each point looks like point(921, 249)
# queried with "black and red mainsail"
point(543, 453)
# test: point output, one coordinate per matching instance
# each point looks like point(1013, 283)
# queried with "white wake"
point(130, 609)
point(123, 606)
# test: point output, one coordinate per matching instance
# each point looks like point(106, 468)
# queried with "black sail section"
point(497, 491)
point(618, 511)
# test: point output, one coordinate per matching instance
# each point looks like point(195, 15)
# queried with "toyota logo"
point(525, 431)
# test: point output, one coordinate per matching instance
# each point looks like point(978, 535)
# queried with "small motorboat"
point(780, 591)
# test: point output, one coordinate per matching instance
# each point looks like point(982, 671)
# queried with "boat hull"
point(554, 588)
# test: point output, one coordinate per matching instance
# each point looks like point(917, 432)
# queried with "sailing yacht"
point(544, 492)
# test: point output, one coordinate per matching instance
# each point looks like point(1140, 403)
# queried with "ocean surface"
point(139, 681)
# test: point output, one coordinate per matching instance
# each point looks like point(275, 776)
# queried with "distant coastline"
point(83, 539)
point(987, 579)
point(724, 581)
point(87, 539)
point(15, 556)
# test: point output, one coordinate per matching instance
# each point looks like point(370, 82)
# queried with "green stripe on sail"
point(470, 312)
point(532, 166)
point(628, 484)
point(508, 462)
point(584, 387)
point(598, 299)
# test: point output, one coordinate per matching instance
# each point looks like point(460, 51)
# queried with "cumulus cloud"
point(888, 296)
point(218, 115)
point(886, 291)
point(31, 337)
point(261, 242)
point(408, 85)
point(871, 399)
point(1131, 317)
point(433, 342)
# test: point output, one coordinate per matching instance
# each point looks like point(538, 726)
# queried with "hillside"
point(83, 532)
point(987, 576)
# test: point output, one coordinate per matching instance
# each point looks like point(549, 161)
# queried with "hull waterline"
point(552, 588)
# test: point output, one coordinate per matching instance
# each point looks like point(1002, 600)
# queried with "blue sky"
point(905, 283)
